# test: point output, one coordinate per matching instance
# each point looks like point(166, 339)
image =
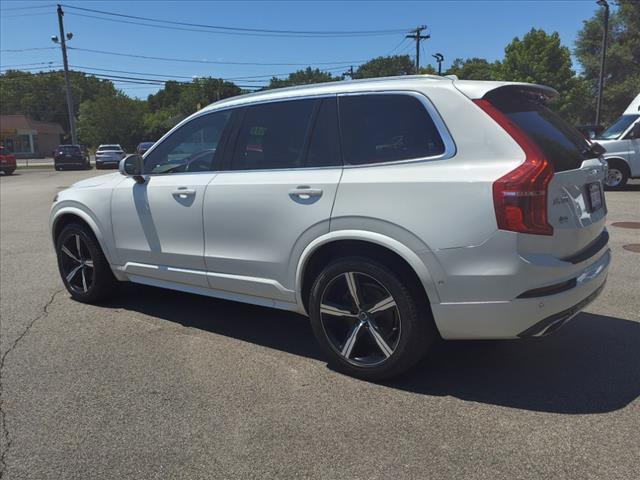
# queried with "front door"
point(275, 197)
point(157, 224)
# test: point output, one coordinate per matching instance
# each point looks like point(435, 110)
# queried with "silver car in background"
point(109, 156)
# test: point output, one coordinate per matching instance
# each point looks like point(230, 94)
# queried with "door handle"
point(183, 192)
point(304, 192)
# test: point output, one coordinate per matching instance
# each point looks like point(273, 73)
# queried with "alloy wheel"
point(614, 177)
point(360, 319)
point(77, 264)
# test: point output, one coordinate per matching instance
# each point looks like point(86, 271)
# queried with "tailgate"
point(575, 200)
point(576, 208)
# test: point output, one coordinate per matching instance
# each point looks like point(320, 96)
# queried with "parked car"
point(7, 161)
point(109, 156)
point(71, 156)
point(143, 147)
point(390, 211)
point(622, 142)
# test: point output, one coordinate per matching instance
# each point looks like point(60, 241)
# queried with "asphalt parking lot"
point(159, 384)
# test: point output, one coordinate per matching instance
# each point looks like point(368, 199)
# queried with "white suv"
point(389, 211)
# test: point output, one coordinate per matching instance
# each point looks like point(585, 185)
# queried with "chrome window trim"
point(441, 127)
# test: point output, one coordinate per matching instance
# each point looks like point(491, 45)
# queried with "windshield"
point(618, 127)
point(109, 148)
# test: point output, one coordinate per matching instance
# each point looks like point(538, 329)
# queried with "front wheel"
point(83, 267)
point(9, 171)
point(369, 322)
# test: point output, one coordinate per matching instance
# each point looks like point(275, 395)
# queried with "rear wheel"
point(9, 171)
point(83, 267)
point(617, 176)
point(367, 320)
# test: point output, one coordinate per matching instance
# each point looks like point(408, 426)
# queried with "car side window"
point(272, 135)
point(386, 128)
point(191, 148)
point(324, 145)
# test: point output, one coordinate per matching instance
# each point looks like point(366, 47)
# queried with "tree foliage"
point(386, 67)
point(622, 79)
point(303, 77)
point(42, 96)
point(474, 69)
point(111, 119)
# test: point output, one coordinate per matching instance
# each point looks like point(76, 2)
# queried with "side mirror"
point(132, 166)
point(635, 131)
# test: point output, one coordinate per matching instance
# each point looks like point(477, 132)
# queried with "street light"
point(605, 30)
point(439, 58)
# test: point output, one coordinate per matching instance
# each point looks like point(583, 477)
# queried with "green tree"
point(622, 69)
point(117, 119)
point(303, 77)
point(474, 69)
point(541, 58)
point(42, 95)
point(386, 67)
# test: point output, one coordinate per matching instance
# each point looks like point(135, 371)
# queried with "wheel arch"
point(380, 247)
point(620, 160)
point(63, 216)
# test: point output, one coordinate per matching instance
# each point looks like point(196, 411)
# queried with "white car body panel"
point(157, 225)
point(241, 235)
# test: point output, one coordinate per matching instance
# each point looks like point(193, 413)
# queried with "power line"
point(31, 7)
point(25, 64)
point(11, 50)
point(27, 14)
point(246, 31)
point(183, 60)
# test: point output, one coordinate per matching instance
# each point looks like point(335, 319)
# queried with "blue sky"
point(457, 28)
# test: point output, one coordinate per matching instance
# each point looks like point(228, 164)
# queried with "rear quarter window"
point(379, 128)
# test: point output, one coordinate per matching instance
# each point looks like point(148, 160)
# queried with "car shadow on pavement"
point(592, 365)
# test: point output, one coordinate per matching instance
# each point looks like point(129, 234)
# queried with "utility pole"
point(416, 34)
point(602, 3)
point(349, 72)
point(62, 39)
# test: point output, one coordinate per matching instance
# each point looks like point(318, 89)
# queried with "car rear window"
point(563, 145)
point(69, 149)
point(109, 148)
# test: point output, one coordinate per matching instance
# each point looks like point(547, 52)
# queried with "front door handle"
point(305, 192)
point(183, 192)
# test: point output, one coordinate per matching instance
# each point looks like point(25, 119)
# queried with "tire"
point(402, 319)
point(9, 171)
point(84, 270)
point(617, 176)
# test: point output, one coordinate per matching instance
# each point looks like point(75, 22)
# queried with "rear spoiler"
point(478, 89)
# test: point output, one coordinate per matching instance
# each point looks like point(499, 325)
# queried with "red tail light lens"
point(520, 196)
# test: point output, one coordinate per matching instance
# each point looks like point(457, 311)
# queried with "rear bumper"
point(522, 317)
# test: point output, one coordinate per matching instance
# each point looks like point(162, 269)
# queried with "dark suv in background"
point(71, 156)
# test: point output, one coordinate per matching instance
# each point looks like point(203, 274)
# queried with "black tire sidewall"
point(415, 334)
point(103, 280)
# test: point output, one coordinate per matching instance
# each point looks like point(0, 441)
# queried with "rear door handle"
point(183, 192)
point(304, 192)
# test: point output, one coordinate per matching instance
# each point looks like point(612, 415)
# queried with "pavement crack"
point(4, 431)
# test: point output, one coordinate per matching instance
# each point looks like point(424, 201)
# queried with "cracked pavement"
point(160, 384)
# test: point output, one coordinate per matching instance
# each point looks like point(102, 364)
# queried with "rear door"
point(275, 197)
point(576, 203)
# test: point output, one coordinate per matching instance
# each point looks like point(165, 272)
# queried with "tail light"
point(520, 196)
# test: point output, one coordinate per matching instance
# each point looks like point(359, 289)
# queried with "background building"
point(28, 138)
